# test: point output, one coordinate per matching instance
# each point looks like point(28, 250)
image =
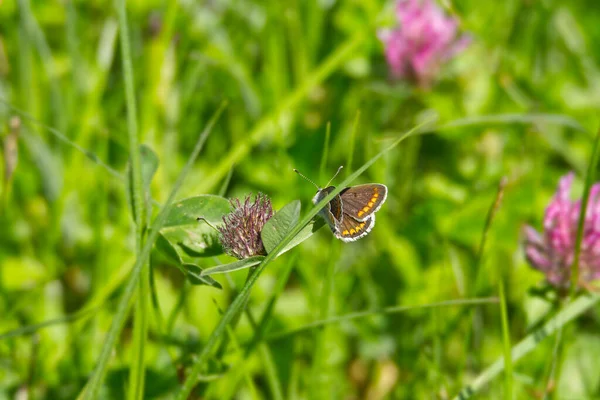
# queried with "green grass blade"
point(132, 125)
point(140, 324)
point(508, 371)
point(91, 390)
point(503, 119)
point(63, 138)
point(350, 155)
point(589, 181)
point(493, 210)
point(325, 153)
point(239, 301)
point(387, 310)
point(31, 329)
point(234, 266)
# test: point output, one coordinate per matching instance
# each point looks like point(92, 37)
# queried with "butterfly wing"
point(351, 229)
point(362, 201)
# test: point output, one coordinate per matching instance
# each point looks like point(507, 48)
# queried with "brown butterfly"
point(350, 214)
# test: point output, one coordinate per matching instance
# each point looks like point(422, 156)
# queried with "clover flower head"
point(553, 251)
point(240, 232)
point(425, 39)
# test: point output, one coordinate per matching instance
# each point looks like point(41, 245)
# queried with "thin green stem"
point(387, 310)
point(140, 329)
point(325, 153)
point(350, 155)
point(31, 329)
point(508, 371)
point(484, 235)
point(589, 180)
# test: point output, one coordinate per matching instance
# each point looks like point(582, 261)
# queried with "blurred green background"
point(287, 69)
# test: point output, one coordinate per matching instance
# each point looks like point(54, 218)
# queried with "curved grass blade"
point(63, 138)
point(387, 310)
point(555, 119)
point(234, 266)
point(91, 389)
point(194, 274)
point(240, 299)
point(589, 180)
point(31, 329)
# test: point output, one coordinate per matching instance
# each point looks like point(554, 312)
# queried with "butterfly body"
point(351, 214)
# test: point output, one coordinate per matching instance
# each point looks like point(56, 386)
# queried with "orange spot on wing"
point(360, 213)
point(345, 232)
point(365, 209)
point(376, 195)
point(370, 204)
point(352, 231)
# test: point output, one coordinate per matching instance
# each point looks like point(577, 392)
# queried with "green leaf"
point(280, 224)
point(234, 266)
point(150, 163)
point(167, 250)
point(187, 211)
point(194, 274)
point(198, 240)
point(192, 237)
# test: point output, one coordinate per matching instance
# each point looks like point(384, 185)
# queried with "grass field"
point(123, 123)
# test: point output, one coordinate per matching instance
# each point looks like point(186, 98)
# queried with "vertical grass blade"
point(506, 342)
point(589, 181)
point(325, 153)
point(137, 366)
point(350, 155)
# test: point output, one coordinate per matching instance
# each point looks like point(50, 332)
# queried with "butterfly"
point(351, 213)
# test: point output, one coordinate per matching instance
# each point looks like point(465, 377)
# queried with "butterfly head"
point(321, 192)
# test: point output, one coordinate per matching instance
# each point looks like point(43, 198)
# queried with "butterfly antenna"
point(336, 174)
point(202, 219)
point(299, 173)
